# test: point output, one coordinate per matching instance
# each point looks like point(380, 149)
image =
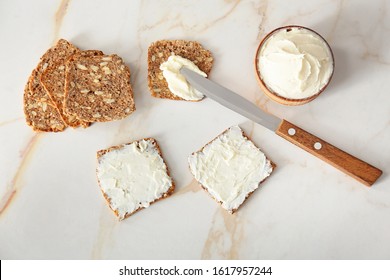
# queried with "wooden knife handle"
point(358, 169)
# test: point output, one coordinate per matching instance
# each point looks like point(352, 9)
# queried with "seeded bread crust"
point(53, 80)
point(157, 147)
point(40, 112)
point(97, 88)
point(160, 51)
point(250, 193)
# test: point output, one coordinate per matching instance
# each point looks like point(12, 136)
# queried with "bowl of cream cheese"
point(294, 64)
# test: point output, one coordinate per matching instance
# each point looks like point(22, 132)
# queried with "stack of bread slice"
point(70, 87)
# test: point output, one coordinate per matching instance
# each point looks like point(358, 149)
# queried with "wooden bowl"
point(273, 95)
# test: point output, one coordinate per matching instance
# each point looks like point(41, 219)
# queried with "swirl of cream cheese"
point(295, 63)
point(177, 83)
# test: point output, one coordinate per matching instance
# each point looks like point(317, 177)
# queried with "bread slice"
point(133, 176)
point(97, 88)
point(230, 168)
point(53, 80)
point(160, 51)
point(40, 112)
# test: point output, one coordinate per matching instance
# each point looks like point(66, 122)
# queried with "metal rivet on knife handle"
point(317, 146)
point(291, 131)
point(358, 169)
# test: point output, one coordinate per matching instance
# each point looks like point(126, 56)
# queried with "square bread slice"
point(160, 51)
point(230, 168)
point(97, 88)
point(133, 176)
point(53, 80)
point(40, 111)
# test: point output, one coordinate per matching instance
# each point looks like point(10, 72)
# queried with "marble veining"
point(51, 206)
point(11, 121)
point(14, 187)
point(58, 18)
point(192, 187)
point(105, 233)
point(225, 236)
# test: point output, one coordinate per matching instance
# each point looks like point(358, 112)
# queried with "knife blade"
point(350, 165)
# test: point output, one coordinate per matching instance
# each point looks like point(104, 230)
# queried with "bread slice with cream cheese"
point(133, 176)
point(160, 51)
point(230, 168)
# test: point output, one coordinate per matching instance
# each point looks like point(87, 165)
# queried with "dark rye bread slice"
point(248, 194)
point(97, 88)
point(160, 51)
point(53, 80)
point(40, 111)
point(156, 147)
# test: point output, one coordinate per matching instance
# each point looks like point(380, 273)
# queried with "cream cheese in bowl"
point(294, 63)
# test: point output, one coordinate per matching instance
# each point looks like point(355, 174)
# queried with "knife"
point(354, 167)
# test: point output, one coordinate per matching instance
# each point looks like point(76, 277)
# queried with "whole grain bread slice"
point(97, 88)
point(53, 80)
point(160, 51)
point(156, 147)
point(40, 111)
point(248, 194)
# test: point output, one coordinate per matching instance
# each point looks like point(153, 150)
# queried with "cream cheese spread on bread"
point(230, 168)
point(295, 63)
point(177, 83)
point(133, 176)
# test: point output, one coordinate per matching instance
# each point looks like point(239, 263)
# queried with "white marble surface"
point(50, 203)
